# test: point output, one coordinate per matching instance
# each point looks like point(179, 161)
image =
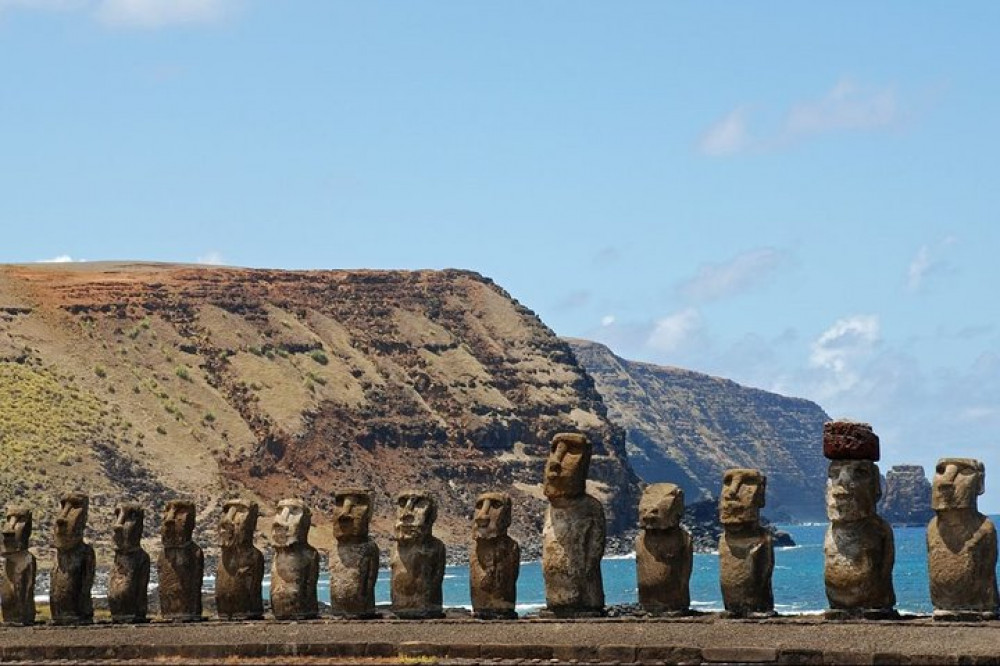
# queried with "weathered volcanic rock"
point(687, 428)
point(907, 496)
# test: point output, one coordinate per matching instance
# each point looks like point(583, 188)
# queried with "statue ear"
point(762, 491)
point(982, 477)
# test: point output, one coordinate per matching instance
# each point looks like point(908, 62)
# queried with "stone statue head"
point(72, 520)
point(177, 527)
point(743, 493)
point(567, 466)
point(492, 517)
point(352, 513)
point(661, 507)
point(853, 488)
point(127, 529)
point(238, 522)
point(16, 529)
point(416, 512)
point(291, 524)
point(957, 484)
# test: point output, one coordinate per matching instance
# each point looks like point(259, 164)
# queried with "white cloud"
point(675, 331)
point(727, 136)
point(607, 320)
point(742, 272)
point(61, 259)
point(212, 258)
point(926, 262)
point(160, 13)
point(847, 106)
point(838, 350)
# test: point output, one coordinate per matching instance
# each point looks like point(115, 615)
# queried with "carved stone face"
point(178, 523)
point(661, 507)
point(239, 520)
point(127, 530)
point(291, 524)
point(957, 483)
point(72, 520)
point(415, 515)
point(492, 517)
point(743, 492)
point(16, 530)
point(852, 489)
point(352, 512)
point(567, 466)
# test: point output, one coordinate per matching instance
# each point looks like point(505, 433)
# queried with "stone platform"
point(708, 639)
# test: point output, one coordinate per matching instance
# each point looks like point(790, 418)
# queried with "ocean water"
point(797, 581)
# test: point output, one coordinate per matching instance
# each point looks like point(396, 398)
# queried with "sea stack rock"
point(354, 556)
point(181, 565)
point(295, 568)
point(574, 533)
point(907, 499)
point(961, 544)
point(494, 559)
point(858, 548)
point(417, 558)
point(129, 580)
point(73, 575)
point(17, 569)
point(241, 565)
point(663, 552)
point(746, 549)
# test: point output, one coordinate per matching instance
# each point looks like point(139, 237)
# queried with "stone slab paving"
point(623, 641)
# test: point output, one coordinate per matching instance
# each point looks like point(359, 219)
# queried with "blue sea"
point(798, 577)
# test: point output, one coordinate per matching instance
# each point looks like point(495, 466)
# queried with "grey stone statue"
point(746, 550)
point(354, 556)
point(238, 584)
point(494, 559)
point(181, 565)
point(17, 572)
point(417, 558)
point(73, 575)
point(295, 568)
point(858, 547)
point(574, 532)
point(664, 553)
point(961, 544)
point(129, 580)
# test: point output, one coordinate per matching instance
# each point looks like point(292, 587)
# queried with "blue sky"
point(798, 196)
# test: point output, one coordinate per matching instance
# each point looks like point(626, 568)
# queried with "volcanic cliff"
point(147, 381)
point(688, 428)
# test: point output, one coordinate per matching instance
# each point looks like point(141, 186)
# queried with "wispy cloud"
point(675, 331)
point(61, 259)
point(715, 281)
point(847, 106)
point(926, 262)
point(142, 14)
point(839, 348)
point(212, 258)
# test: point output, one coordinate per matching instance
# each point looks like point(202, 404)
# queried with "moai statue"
point(238, 583)
point(17, 573)
point(574, 531)
point(129, 580)
point(417, 558)
point(746, 550)
point(295, 568)
point(73, 575)
point(858, 547)
point(181, 565)
point(961, 544)
point(494, 559)
point(664, 553)
point(354, 556)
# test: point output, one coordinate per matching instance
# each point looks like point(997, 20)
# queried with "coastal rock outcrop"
point(907, 498)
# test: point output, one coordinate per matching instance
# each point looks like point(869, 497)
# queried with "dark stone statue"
point(17, 572)
point(664, 553)
point(494, 560)
point(181, 565)
point(129, 580)
point(417, 558)
point(73, 575)
point(961, 544)
point(354, 557)
point(238, 584)
point(574, 532)
point(746, 550)
point(295, 568)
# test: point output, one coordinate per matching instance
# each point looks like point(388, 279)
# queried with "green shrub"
point(318, 356)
